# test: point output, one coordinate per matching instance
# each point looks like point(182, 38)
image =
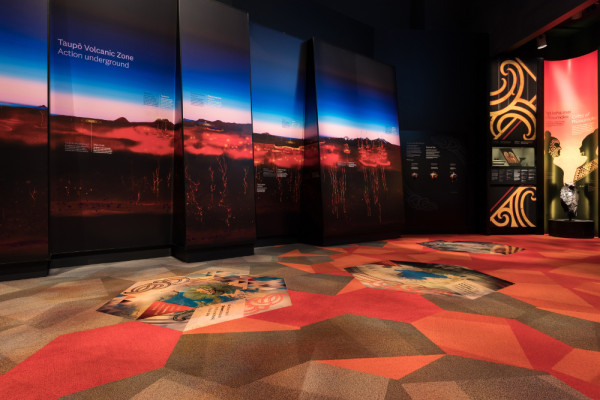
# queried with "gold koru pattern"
point(518, 109)
point(511, 212)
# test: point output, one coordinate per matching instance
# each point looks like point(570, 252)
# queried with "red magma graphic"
point(101, 136)
point(208, 140)
point(342, 159)
point(103, 168)
point(24, 125)
point(218, 160)
point(24, 205)
point(286, 162)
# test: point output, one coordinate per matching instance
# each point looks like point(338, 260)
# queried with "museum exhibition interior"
point(320, 199)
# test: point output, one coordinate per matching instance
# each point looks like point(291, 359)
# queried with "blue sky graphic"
point(208, 68)
point(354, 91)
point(135, 28)
point(23, 41)
point(277, 87)
point(215, 65)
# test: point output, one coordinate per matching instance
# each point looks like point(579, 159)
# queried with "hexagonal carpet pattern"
point(538, 338)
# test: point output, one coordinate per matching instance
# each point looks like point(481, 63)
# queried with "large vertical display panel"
point(23, 139)
point(512, 143)
point(571, 134)
point(359, 145)
point(112, 93)
point(216, 149)
point(278, 101)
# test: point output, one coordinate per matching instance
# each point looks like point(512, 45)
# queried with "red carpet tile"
point(542, 351)
point(353, 286)
point(537, 338)
point(390, 367)
point(308, 308)
point(86, 359)
point(470, 335)
point(248, 324)
point(581, 364)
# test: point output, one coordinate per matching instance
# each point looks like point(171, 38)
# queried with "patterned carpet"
point(538, 338)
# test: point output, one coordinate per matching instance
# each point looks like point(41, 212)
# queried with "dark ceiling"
point(510, 24)
point(574, 37)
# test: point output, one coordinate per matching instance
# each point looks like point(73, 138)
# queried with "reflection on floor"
point(537, 338)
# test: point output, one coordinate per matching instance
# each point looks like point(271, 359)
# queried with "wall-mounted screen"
point(217, 125)
point(23, 132)
point(359, 143)
point(112, 92)
point(278, 86)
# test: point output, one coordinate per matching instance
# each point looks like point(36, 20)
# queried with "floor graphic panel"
point(426, 278)
point(472, 247)
point(184, 303)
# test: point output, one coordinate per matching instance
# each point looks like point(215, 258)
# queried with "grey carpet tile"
point(8, 323)
point(528, 387)
point(318, 283)
point(320, 380)
point(247, 357)
point(114, 286)
point(494, 304)
point(573, 331)
point(123, 389)
point(453, 368)
point(302, 248)
point(373, 244)
point(64, 310)
point(306, 260)
point(6, 364)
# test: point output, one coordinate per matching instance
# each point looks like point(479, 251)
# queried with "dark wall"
point(439, 77)
point(441, 15)
point(442, 88)
point(306, 19)
point(380, 14)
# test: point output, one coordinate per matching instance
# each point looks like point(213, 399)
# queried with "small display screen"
point(510, 157)
point(513, 157)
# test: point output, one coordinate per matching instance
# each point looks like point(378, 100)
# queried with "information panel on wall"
point(217, 126)
point(278, 86)
point(359, 144)
point(112, 92)
point(23, 134)
point(571, 134)
point(434, 163)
